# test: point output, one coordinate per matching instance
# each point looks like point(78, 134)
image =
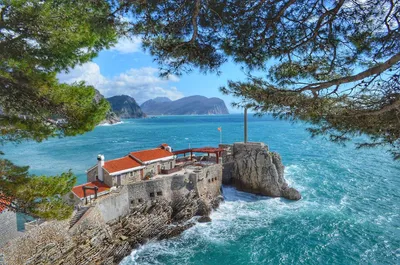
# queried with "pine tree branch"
point(380, 68)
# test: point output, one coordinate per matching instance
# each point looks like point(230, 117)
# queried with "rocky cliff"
point(126, 107)
point(93, 240)
point(104, 236)
point(251, 167)
point(111, 117)
point(185, 106)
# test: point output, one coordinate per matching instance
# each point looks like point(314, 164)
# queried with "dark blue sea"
point(349, 213)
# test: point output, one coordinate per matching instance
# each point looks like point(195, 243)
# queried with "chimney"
point(100, 164)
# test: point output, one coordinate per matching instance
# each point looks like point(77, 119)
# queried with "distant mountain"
point(185, 106)
point(161, 99)
point(148, 105)
point(126, 107)
point(111, 117)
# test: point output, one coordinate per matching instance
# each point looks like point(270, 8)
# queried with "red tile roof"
point(79, 191)
point(164, 145)
point(152, 154)
point(120, 164)
point(4, 203)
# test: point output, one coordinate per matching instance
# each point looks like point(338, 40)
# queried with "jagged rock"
point(111, 117)
point(291, 194)
point(203, 209)
point(204, 219)
point(174, 231)
point(126, 107)
point(91, 241)
point(251, 167)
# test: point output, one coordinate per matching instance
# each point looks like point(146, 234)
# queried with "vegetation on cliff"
point(37, 40)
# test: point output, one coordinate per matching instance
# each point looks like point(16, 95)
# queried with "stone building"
point(140, 166)
point(133, 167)
point(8, 223)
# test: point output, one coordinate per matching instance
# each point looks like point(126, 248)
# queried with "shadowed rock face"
point(92, 241)
point(126, 107)
point(251, 167)
point(111, 117)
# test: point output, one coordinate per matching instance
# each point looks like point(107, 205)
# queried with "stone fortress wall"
point(204, 182)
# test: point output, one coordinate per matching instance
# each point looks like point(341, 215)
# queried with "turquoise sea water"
point(349, 214)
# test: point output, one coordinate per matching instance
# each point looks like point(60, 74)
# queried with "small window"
point(159, 193)
point(132, 201)
point(151, 194)
point(209, 180)
point(140, 200)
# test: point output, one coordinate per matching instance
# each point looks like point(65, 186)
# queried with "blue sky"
point(126, 69)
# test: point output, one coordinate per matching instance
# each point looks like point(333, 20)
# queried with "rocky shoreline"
point(92, 241)
point(249, 167)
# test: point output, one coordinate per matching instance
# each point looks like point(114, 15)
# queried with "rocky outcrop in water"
point(93, 241)
point(251, 167)
point(125, 107)
point(111, 118)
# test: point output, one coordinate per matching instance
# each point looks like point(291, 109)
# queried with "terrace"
point(210, 155)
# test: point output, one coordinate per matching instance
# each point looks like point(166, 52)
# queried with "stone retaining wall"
point(8, 230)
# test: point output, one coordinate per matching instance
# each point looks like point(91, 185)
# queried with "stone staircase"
point(77, 216)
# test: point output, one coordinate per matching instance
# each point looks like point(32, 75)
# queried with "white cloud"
point(128, 45)
point(142, 83)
